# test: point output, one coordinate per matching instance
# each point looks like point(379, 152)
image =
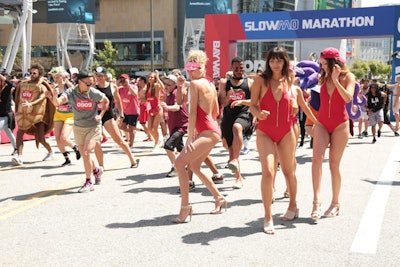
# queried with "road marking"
point(367, 236)
point(36, 199)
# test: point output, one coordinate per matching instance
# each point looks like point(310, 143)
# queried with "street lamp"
point(151, 37)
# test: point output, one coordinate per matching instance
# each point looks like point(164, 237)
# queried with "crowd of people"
point(188, 116)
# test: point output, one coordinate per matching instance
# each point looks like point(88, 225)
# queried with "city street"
point(126, 220)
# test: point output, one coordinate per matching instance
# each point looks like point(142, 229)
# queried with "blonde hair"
point(197, 56)
point(57, 71)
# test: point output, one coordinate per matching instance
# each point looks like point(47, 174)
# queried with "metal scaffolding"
point(21, 12)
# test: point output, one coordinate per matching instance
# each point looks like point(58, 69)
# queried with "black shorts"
point(108, 115)
point(244, 119)
point(175, 140)
point(131, 120)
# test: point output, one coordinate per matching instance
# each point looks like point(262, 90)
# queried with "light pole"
point(151, 36)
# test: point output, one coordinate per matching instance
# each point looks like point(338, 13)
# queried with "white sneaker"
point(16, 161)
point(49, 156)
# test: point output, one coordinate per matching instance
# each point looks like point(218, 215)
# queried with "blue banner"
point(334, 23)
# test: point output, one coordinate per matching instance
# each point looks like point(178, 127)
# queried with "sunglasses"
point(87, 84)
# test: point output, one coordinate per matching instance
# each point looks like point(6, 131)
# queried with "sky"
point(371, 3)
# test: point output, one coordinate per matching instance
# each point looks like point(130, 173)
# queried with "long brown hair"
point(331, 64)
point(277, 53)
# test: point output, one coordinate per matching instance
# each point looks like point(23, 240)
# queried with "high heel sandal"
point(219, 204)
point(286, 194)
point(316, 212)
point(290, 215)
point(189, 210)
point(333, 210)
point(269, 227)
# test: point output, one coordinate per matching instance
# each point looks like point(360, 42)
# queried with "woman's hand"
point(336, 72)
point(263, 114)
point(97, 118)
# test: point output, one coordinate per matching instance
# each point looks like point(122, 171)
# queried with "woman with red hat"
point(337, 89)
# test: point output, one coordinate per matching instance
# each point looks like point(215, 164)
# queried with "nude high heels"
point(184, 210)
point(219, 204)
point(269, 227)
point(316, 211)
point(333, 210)
point(290, 215)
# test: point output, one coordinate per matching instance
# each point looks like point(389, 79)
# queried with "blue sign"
point(334, 23)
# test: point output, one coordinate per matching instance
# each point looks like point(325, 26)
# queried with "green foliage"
point(107, 58)
point(360, 69)
point(371, 69)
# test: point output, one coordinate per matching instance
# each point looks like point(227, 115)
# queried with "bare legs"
point(196, 154)
point(337, 140)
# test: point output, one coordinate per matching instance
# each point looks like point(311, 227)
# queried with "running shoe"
point(77, 153)
point(172, 173)
point(49, 156)
point(233, 166)
point(86, 187)
point(245, 151)
point(17, 161)
point(66, 163)
point(97, 173)
point(218, 178)
point(237, 185)
point(192, 187)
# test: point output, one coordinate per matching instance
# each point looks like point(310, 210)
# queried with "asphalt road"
point(126, 221)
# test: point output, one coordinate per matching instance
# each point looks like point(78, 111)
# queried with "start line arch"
point(223, 31)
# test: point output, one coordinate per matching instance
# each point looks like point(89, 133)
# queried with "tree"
point(371, 69)
point(360, 69)
point(379, 70)
point(107, 57)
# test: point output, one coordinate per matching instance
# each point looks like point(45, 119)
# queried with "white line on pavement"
point(367, 236)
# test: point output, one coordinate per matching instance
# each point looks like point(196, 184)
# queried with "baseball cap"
point(84, 74)
point(125, 76)
point(172, 78)
point(332, 52)
point(101, 71)
point(73, 71)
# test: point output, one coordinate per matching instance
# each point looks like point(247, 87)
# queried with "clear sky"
point(371, 3)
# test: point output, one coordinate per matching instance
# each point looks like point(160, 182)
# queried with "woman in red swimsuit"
point(154, 91)
point(272, 105)
point(337, 89)
point(203, 112)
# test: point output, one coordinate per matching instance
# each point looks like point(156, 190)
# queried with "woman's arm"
point(345, 85)
point(303, 105)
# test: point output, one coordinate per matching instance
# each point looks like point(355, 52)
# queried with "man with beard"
point(34, 113)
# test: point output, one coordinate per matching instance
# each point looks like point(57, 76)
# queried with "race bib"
point(238, 95)
point(84, 104)
point(63, 108)
point(27, 94)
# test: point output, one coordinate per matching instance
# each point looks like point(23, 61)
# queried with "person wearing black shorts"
point(234, 94)
point(177, 121)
